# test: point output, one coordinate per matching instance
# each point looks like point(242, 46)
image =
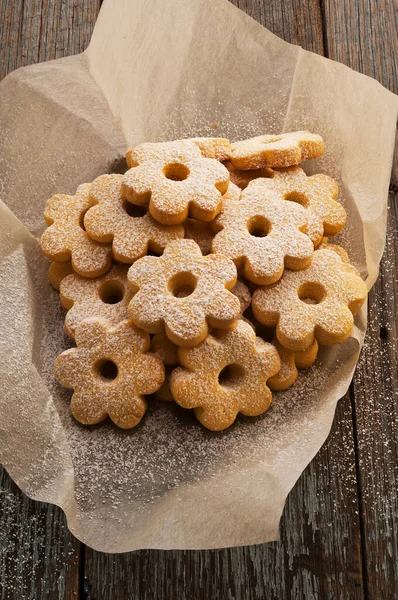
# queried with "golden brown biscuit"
point(110, 372)
point(243, 178)
point(283, 150)
point(65, 238)
point(183, 293)
point(316, 194)
point(57, 272)
point(107, 297)
point(290, 362)
point(263, 234)
point(175, 181)
point(130, 228)
point(225, 375)
point(317, 303)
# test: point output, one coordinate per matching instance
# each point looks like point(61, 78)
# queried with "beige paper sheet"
point(170, 69)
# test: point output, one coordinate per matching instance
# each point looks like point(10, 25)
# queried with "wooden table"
point(339, 532)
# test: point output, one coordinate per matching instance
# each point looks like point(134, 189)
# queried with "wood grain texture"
point(39, 558)
point(364, 35)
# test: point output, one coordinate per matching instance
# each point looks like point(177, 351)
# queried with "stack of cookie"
point(202, 275)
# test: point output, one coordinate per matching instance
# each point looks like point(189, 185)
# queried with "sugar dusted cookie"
point(290, 362)
point(66, 240)
point(110, 372)
point(283, 150)
point(225, 375)
point(262, 234)
point(57, 272)
point(316, 194)
point(131, 229)
point(175, 181)
point(183, 293)
point(107, 297)
point(317, 303)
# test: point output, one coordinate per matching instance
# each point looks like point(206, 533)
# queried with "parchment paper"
point(158, 71)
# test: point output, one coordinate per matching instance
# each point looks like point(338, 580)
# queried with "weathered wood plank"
point(363, 35)
point(39, 558)
point(319, 553)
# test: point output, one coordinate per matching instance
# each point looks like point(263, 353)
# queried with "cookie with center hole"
point(317, 194)
point(317, 303)
point(175, 181)
point(183, 293)
point(66, 240)
point(107, 297)
point(132, 231)
point(224, 375)
point(263, 234)
point(110, 371)
point(282, 150)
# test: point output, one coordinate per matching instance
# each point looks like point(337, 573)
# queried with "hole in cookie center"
point(176, 172)
point(81, 218)
point(182, 285)
point(297, 197)
point(106, 369)
point(259, 226)
point(111, 292)
point(133, 210)
point(311, 293)
point(231, 375)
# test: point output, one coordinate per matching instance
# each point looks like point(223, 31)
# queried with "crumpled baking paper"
point(182, 68)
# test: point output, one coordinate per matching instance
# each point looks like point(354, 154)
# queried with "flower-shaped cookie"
point(57, 272)
point(183, 292)
point(176, 181)
point(263, 233)
point(317, 194)
point(168, 352)
point(66, 240)
point(290, 362)
point(225, 375)
point(130, 228)
point(281, 150)
point(110, 371)
point(243, 178)
point(107, 297)
point(316, 303)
